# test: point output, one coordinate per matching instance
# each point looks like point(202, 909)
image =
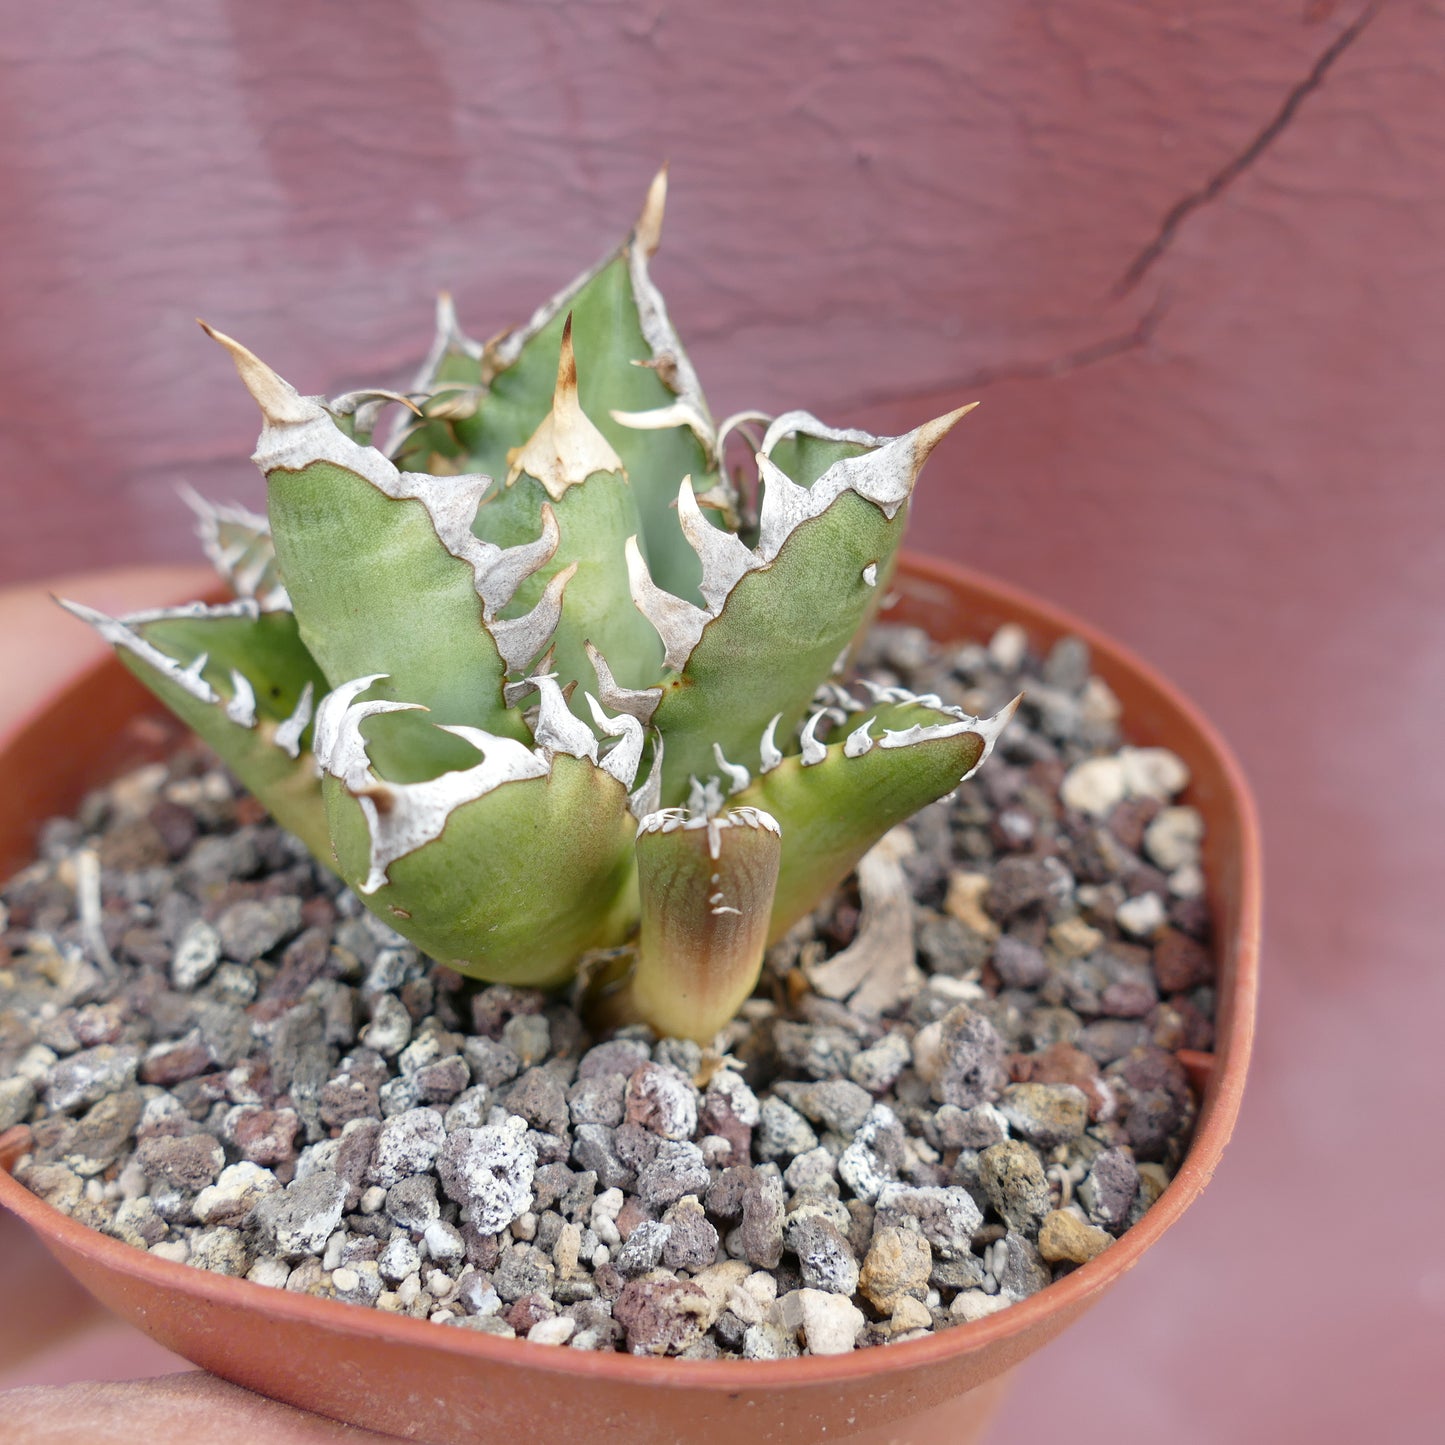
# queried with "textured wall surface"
point(1190, 255)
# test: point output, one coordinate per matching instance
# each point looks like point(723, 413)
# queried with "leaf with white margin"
point(568, 465)
point(243, 681)
point(636, 382)
point(383, 571)
point(780, 614)
point(876, 770)
point(508, 869)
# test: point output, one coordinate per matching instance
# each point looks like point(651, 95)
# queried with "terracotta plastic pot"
point(422, 1381)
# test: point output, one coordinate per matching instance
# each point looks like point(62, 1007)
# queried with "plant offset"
point(547, 683)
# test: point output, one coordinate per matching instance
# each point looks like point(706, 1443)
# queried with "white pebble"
point(1094, 786)
point(1141, 916)
point(444, 1242)
point(174, 1249)
point(1153, 773)
point(605, 1209)
point(601, 1255)
point(1187, 882)
point(271, 1272)
point(372, 1199)
point(556, 1331)
point(196, 956)
point(973, 1304)
point(1097, 703)
point(334, 1246)
point(1008, 646)
point(1172, 839)
point(439, 1284)
point(345, 1280)
point(831, 1322)
point(524, 1226)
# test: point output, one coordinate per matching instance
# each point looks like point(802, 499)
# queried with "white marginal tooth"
point(288, 734)
point(679, 623)
point(520, 639)
point(768, 749)
point(623, 759)
point(640, 703)
point(417, 813)
point(870, 574)
point(449, 339)
point(242, 707)
point(738, 774)
point(859, 740)
point(756, 818)
point(332, 710)
point(118, 634)
point(738, 419)
point(681, 412)
point(704, 799)
point(813, 750)
point(883, 475)
point(791, 422)
point(558, 729)
point(196, 667)
point(785, 505)
point(874, 690)
point(724, 558)
point(644, 802)
point(987, 728)
point(511, 566)
point(346, 757)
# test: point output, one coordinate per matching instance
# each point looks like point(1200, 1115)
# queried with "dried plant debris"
point(958, 1081)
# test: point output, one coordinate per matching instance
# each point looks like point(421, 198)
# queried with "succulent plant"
point(541, 678)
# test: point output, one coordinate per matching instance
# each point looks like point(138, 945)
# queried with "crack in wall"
point(1138, 336)
point(1230, 172)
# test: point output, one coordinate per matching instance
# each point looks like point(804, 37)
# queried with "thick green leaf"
point(523, 881)
point(778, 635)
point(834, 810)
point(266, 651)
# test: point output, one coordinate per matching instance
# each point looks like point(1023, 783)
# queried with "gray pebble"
point(678, 1169)
point(198, 951)
point(1107, 1191)
point(301, 1218)
point(824, 1254)
point(251, 929)
point(782, 1132)
point(692, 1241)
point(971, 1059)
point(408, 1144)
point(412, 1202)
point(389, 1031)
point(875, 1156)
point(489, 1173)
point(642, 1249)
point(88, 1076)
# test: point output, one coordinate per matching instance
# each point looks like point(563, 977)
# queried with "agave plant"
point(541, 678)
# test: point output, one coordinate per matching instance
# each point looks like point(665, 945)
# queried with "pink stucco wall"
point(1190, 255)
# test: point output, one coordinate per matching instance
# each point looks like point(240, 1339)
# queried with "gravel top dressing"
point(956, 1083)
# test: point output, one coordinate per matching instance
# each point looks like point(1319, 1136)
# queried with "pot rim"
point(1218, 1114)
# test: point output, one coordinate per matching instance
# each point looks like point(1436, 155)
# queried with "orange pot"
point(448, 1386)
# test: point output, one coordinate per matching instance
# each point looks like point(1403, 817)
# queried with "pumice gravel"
point(957, 1082)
